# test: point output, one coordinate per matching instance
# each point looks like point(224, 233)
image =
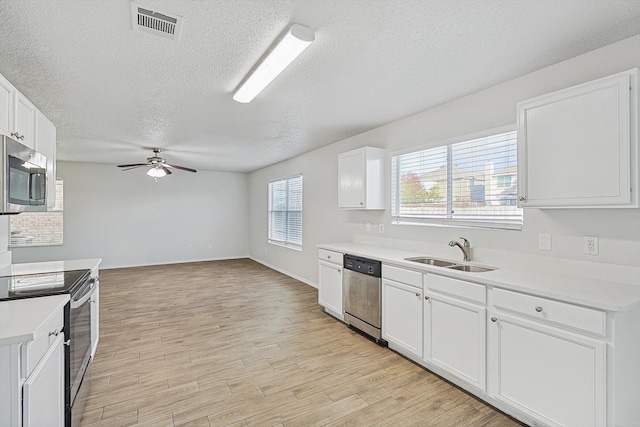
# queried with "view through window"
point(469, 183)
point(285, 212)
point(39, 228)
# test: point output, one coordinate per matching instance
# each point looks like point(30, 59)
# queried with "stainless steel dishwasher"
point(362, 295)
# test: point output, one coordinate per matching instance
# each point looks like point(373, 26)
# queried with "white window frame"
point(450, 219)
point(291, 240)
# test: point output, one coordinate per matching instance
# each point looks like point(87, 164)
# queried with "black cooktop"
point(42, 284)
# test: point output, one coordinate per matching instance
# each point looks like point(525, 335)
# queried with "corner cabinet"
point(578, 147)
point(330, 282)
point(549, 359)
point(361, 179)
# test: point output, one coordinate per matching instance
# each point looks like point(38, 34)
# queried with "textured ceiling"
point(112, 91)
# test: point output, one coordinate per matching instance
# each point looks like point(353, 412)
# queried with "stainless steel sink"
point(470, 268)
point(436, 262)
point(432, 261)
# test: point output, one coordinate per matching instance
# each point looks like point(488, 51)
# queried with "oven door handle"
point(78, 302)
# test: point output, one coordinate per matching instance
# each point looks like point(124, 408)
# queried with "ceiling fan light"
point(156, 172)
point(293, 43)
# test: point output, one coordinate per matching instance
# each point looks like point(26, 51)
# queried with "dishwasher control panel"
point(366, 266)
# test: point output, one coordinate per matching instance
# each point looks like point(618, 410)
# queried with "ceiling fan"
point(158, 167)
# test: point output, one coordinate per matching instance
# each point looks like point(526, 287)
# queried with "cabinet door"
point(6, 106)
point(402, 316)
point(351, 179)
point(330, 288)
point(554, 376)
point(43, 391)
point(455, 337)
point(24, 120)
point(575, 145)
point(46, 145)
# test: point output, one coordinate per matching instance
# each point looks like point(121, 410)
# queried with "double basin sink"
point(450, 265)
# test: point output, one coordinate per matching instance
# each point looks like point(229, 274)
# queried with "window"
point(285, 212)
point(39, 228)
point(469, 182)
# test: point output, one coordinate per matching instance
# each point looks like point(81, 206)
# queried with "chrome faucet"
point(466, 248)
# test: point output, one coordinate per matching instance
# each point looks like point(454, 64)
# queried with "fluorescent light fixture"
point(281, 54)
point(156, 172)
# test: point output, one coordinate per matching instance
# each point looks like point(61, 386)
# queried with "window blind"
point(285, 212)
point(466, 183)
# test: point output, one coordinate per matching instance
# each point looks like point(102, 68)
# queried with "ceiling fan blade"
point(181, 168)
point(132, 165)
point(166, 170)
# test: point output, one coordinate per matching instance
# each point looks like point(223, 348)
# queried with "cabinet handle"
point(418, 294)
point(538, 309)
point(361, 203)
point(494, 319)
point(339, 271)
point(328, 256)
point(426, 297)
point(67, 343)
point(56, 333)
point(18, 136)
point(522, 198)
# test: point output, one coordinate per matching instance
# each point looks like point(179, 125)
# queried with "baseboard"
point(285, 272)
point(184, 261)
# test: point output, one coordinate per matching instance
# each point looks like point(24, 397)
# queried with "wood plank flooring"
point(233, 343)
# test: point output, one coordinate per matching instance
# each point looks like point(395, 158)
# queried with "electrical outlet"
point(544, 242)
point(590, 245)
point(381, 228)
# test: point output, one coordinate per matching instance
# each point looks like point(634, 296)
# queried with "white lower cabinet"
point(455, 328)
point(402, 310)
point(542, 366)
point(402, 315)
point(553, 376)
point(330, 282)
point(43, 391)
point(32, 349)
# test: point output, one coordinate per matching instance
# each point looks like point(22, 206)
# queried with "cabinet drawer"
point(460, 288)
point(409, 277)
point(583, 318)
point(331, 256)
point(46, 333)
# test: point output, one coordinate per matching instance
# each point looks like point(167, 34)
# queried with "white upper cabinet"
point(24, 120)
point(45, 143)
point(360, 179)
point(6, 106)
point(578, 147)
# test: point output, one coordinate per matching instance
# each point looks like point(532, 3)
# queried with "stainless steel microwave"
point(23, 178)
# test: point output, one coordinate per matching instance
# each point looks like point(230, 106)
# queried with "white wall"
point(127, 219)
point(618, 229)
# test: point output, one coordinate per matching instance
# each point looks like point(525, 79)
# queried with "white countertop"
point(50, 266)
point(20, 318)
point(600, 294)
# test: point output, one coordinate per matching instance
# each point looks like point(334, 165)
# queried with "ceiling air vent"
point(161, 24)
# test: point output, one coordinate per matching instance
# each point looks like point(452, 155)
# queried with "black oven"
point(79, 349)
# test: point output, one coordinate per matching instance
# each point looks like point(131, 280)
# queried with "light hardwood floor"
point(235, 343)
